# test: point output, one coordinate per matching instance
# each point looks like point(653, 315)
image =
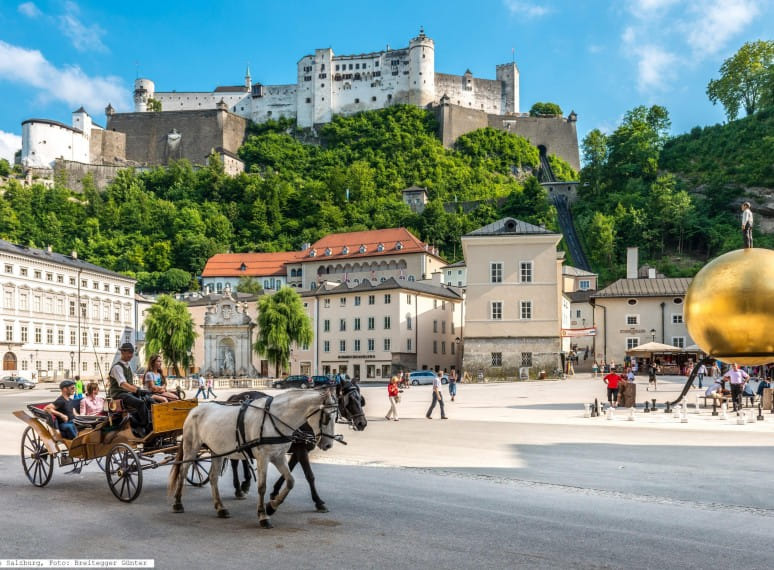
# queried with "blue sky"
point(595, 57)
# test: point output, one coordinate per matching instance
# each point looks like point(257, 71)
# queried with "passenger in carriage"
point(92, 404)
point(63, 409)
point(132, 397)
point(156, 383)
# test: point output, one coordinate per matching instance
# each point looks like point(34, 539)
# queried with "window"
point(387, 299)
point(632, 342)
point(95, 285)
point(408, 344)
point(526, 359)
point(632, 319)
point(106, 287)
point(371, 323)
point(443, 347)
point(357, 301)
point(342, 324)
point(435, 303)
point(72, 281)
point(8, 299)
point(372, 299)
point(95, 336)
point(117, 290)
point(327, 303)
point(525, 310)
point(678, 341)
point(9, 332)
point(73, 338)
point(342, 346)
point(24, 365)
point(677, 319)
point(8, 268)
point(435, 326)
point(24, 301)
point(526, 271)
point(632, 302)
point(60, 307)
point(326, 346)
point(49, 364)
point(371, 345)
point(95, 311)
point(326, 325)
point(49, 276)
point(408, 322)
point(496, 310)
point(435, 347)
point(38, 335)
point(356, 347)
point(497, 359)
point(107, 340)
point(370, 369)
point(85, 338)
point(36, 303)
point(443, 327)
point(50, 336)
point(387, 344)
point(408, 299)
point(452, 327)
point(584, 284)
point(343, 302)
point(357, 323)
point(60, 366)
point(83, 309)
point(578, 314)
point(85, 366)
point(496, 272)
point(24, 334)
point(37, 274)
point(387, 322)
point(48, 305)
point(23, 271)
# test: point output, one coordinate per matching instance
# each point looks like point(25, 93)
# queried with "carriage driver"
point(122, 388)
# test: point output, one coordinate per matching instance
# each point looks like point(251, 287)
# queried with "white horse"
point(268, 435)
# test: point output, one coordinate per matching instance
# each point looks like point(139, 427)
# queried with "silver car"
point(424, 377)
point(16, 382)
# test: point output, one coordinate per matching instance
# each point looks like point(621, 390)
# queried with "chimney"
point(631, 262)
point(436, 276)
point(74, 254)
point(306, 245)
point(49, 249)
point(651, 273)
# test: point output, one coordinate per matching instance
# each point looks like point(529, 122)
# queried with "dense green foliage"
point(249, 284)
point(282, 322)
point(746, 80)
point(545, 109)
point(5, 167)
point(677, 200)
point(162, 226)
point(169, 330)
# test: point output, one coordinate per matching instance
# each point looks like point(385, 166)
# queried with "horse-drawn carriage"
point(109, 441)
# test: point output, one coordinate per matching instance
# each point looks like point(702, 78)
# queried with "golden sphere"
point(729, 307)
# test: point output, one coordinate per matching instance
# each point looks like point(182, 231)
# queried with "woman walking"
point(453, 383)
point(210, 382)
point(393, 395)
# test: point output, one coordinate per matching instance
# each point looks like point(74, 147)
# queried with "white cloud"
point(526, 9)
point(595, 48)
point(29, 9)
point(717, 23)
point(68, 84)
point(656, 68)
point(9, 144)
point(83, 37)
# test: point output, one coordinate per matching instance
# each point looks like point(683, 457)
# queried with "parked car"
point(323, 380)
point(294, 381)
point(424, 377)
point(16, 382)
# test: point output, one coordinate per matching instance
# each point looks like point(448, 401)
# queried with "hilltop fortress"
point(191, 125)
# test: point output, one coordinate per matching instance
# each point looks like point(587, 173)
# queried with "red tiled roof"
point(256, 264)
point(371, 239)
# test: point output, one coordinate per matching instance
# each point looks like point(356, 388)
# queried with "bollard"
point(647, 409)
point(653, 407)
point(586, 410)
point(684, 416)
point(751, 417)
point(678, 410)
point(740, 419)
point(760, 412)
point(698, 396)
point(714, 406)
point(724, 411)
point(596, 407)
point(668, 409)
point(610, 413)
point(631, 415)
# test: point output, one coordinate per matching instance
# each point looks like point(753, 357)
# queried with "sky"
point(595, 57)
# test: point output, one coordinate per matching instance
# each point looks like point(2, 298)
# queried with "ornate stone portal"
point(228, 338)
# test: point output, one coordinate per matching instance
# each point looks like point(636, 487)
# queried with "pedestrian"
point(210, 383)
point(594, 369)
point(652, 369)
point(612, 379)
point(78, 388)
point(747, 224)
point(737, 378)
point(437, 398)
point(453, 383)
point(132, 397)
point(700, 373)
point(202, 388)
point(393, 394)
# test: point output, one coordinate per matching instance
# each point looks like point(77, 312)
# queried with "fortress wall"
point(454, 121)
point(106, 146)
point(74, 173)
point(557, 134)
point(200, 132)
point(277, 101)
point(483, 94)
point(196, 101)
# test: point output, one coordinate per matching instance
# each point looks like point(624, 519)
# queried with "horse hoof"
point(266, 523)
point(245, 486)
point(322, 509)
point(270, 510)
point(178, 508)
point(224, 514)
point(238, 494)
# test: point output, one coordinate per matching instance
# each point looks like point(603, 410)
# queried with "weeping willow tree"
point(282, 321)
point(169, 330)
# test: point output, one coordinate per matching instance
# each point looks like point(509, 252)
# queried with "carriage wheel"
point(101, 463)
point(199, 473)
point(124, 473)
point(38, 463)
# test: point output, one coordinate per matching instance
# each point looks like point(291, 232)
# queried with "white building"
point(328, 84)
point(60, 315)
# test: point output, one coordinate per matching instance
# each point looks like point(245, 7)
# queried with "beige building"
point(372, 331)
point(642, 308)
point(514, 301)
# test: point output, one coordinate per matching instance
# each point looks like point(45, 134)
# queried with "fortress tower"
point(421, 70)
point(144, 89)
point(508, 74)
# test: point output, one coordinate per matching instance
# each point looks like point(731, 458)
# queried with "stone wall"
point(73, 173)
point(478, 356)
point(106, 147)
point(158, 138)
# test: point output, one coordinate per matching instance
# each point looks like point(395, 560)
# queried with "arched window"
point(411, 277)
point(380, 247)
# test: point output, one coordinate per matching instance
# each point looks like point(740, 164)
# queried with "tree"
point(154, 105)
point(282, 321)
point(545, 109)
point(5, 168)
point(744, 79)
point(249, 284)
point(169, 330)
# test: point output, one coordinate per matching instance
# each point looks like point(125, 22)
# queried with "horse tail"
point(174, 473)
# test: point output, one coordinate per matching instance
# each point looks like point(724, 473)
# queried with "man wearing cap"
point(122, 388)
point(62, 409)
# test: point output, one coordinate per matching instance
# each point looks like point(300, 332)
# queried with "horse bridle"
point(348, 394)
point(328, 413)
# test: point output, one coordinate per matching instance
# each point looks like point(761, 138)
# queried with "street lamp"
point(653, 335)
point(457, 341)
point(72, 363)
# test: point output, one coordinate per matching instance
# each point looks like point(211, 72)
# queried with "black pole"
point(691, 378)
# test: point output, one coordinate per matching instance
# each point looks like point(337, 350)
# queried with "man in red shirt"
point(612, 381)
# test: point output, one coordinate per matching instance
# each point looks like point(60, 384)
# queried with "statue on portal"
point(228, 361)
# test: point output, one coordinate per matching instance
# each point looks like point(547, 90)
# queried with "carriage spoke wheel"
point(199, 473)
point(124, 473)
point(38, 463)
point(101, 463)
